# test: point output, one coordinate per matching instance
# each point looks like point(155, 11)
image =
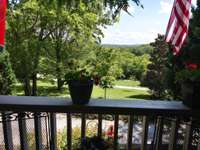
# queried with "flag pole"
point(1, 49)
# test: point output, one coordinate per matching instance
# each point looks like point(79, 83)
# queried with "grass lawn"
point(127, 83)
point(120, 94)
point(46, 88)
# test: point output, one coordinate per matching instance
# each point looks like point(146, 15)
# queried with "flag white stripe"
point(171, 22)
point(187, 4)
point(177, 35)
point(181, 14)
point(170, 33)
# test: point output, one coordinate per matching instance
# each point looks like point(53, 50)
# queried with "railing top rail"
point(49, 104)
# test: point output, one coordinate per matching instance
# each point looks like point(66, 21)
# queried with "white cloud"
point(165, 6)
point(194, 2)
point(157, 22)
point(128, 38)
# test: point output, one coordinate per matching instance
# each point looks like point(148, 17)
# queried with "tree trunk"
point(105, 93)
point(34, 84)
point(36, 63)
point(27, 86)
point(58, 66)
point(60, 83)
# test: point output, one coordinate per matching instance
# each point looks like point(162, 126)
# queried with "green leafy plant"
point(79, 74)
point(81, 71)
point(107, 82)
point(190, 73)
point(7, 76)
point(76, 133)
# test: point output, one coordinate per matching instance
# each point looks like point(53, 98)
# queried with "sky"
point(143, 27)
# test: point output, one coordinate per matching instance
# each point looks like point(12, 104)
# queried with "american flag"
point(177, 28)
point(2, 21)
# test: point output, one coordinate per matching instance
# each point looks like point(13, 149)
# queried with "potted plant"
point(80, 83)
point(189, 78)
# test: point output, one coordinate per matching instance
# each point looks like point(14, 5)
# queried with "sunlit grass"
point(47, 88)
point(127, 83)
point(120, 94)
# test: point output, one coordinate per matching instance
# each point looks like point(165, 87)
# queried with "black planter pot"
point(191, 94)
point(80, 91)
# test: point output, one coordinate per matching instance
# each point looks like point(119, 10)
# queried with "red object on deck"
point(3, 4)
point(110, 131)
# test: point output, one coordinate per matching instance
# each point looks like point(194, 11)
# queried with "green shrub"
point(76, 135)
point(7, 77)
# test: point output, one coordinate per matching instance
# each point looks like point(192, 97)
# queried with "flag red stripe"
point(183, 8)
point(184, 29)
point(180, 29)
point(2, 21)
point(171, 20)
point(179, 40)
point(178, 24)
point(180, 19)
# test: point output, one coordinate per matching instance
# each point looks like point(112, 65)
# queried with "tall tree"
point(107, 67)
point(20, 28)
point(134, 66)
point(114, 5)
point(155, 77)
point(27, 29)
point(79, 27)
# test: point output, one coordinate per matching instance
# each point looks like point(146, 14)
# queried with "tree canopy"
point(44, 37)
point(155, 77)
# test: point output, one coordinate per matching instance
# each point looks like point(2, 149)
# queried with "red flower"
point(110, 131)
point(191, 66)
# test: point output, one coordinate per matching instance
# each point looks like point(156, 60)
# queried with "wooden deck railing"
point(20, 109)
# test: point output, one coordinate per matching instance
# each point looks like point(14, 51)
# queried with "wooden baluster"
point(69, 131)
point(130, 133)
point(198, 146)
point(144, 133)
point(83, 126)
point(47, 130)
point(173, 134)
point(99, 125)
point(38, 131)
point(159, 133)
point(22, 131)
point(116, 125)
point(53, 135)
point(188, 136)
point(7, 131)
